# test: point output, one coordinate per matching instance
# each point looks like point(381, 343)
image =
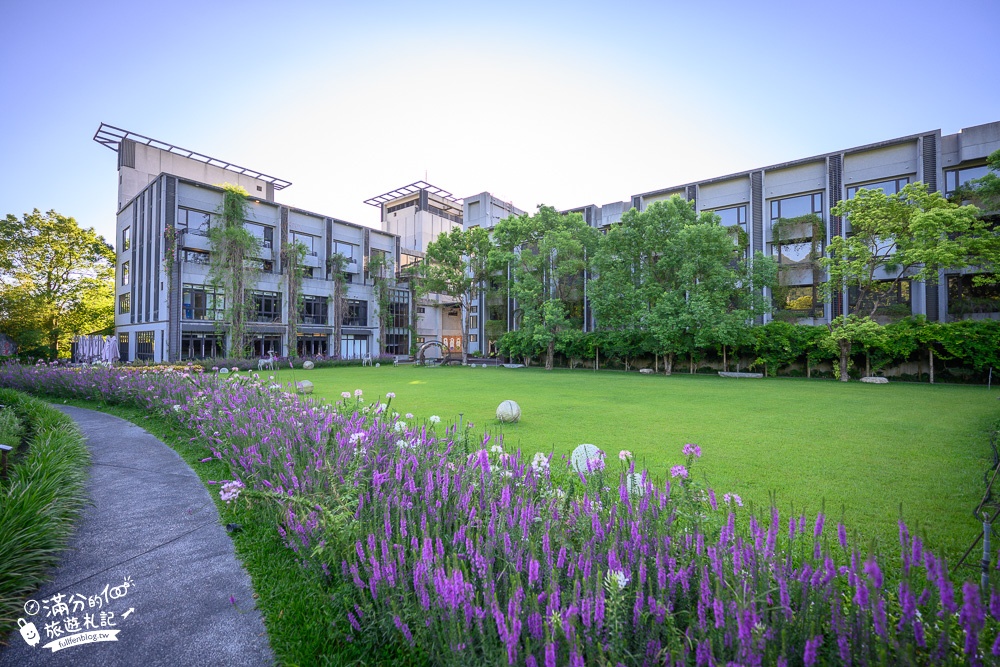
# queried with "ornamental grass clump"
point(472, 553)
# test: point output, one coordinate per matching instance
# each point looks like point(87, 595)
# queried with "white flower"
point(390, 394)
point(381, 407)
point(434, 419)
point(496, 449)
point(625, 455)
point(540, 463)
point(345, 394)
point(409, 415)
point(357, 437)
point(400, 426)
point(357, 393)
point(616, 578)
point(177, 408)
point(231, 490)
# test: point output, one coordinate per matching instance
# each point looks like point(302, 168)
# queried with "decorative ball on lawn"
point(223, 371)
point(304, 387)
point(587, 459)
point(508, 412)
point(308, 365)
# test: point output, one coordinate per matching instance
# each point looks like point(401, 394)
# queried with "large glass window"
point(144, 341)
point(953, 178)
point(357, 313)
point(125, 273)
point(889, 187)
point(399, 309)
point(313, 345)
point(264, 234)
point(796, 247)
point(353, 346)
point(311, 243)
point(733, 216)
point(126, 238)
point(966, 298)
point(397, 343)
point(348, 250)
point(196, 256)
point(314, 310)
point(266, 307)
point(893, 298)
point(124, 303)
point(191, 220)
point(262, 345)
point(202, 346)
point(123, 347)
point(202, 302)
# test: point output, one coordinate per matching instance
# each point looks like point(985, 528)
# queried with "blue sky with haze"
point(558, 103)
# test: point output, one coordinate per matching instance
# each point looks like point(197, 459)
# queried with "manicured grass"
point(865, 448)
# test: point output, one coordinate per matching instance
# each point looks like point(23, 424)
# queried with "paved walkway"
point(150, 557)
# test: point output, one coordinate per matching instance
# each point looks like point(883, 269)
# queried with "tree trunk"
point(868, 365)
point(550, 354)
point(845, 354)
point(931, 368)
point(668, 363)
point(808, 369)
point(691, 363)
point(465, 336)
point(725, 365)
point(656, 363)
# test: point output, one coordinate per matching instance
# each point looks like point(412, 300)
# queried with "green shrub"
point(42, 497)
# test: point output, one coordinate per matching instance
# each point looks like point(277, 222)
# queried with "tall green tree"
point(910, 235)
point(456, 265)
point(337, 264)
point(548, 254)
point(56, 280)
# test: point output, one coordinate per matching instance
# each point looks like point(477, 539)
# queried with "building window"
point(397, 343)
point(473, 338)
point(474, 309)
point(734, 216)
point(266, 307)
point(348, 250)
point(124, 303)
point(966, 298)
point(953, 178)
point(894, 298)
point(307, 271)
point(357, 313)
point(261, 345)
point(314, 310)
point(889, 187)
point(264, 234)
point(313, 345)
point(202, 346)
point(266, 266)
point(387, 264)
point(405, 260)
point(400, 207)
point(197, 256)
point(202, 302)
point(399, 309)
point(310, 242)
point(126, 238)
point(474, 322)
point(123, 347)
point(144, 345)
point(196, 222)
point(421, 310)
point(353, 346)
point(125, 273)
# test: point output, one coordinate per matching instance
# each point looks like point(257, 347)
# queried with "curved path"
point(149, 556)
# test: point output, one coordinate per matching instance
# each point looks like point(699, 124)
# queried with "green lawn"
point(866, 448)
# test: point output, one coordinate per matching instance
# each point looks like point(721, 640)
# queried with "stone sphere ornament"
point(308, 365)
point(509, 412)
point(587, 459)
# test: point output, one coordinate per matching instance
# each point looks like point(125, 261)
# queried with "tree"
point(909, 235)
point(232, 269)
point(548, 253)
point(457, 264)
point(380, 270)
point(56, 280)
point(292, 255)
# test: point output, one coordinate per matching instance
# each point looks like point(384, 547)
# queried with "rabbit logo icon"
point(29, 632)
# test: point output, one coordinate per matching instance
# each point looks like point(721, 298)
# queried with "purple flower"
point(679, 471)
point(812, 645)
point(873, 571)
point(691, 450)
point(972, 617)
point(842, 535)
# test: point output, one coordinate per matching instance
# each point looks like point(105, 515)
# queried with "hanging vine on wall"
point(337, 264)
point(292, 255)
point(233, 269)
point(801, 229)
point(169, 252)
point(379, 269)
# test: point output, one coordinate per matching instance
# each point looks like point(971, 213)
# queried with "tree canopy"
point(56, 281)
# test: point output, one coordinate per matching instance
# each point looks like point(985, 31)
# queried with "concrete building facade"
point(165, 306)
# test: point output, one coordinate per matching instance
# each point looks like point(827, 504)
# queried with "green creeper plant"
point(292, 255)
point(337, 265)
point(380, 271)
point(233, 269)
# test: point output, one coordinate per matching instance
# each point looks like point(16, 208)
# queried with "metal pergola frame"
point(411, 189)
point(112, 137)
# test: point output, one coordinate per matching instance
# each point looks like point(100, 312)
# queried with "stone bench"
point(727, 374)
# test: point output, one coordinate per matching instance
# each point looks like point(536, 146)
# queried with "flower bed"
point(472, 553)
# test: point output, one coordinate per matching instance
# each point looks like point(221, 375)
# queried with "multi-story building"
point(166, 307)
point(756, 199)
point(417, 214)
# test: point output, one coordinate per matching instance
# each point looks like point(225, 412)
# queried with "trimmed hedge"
point(40, 499)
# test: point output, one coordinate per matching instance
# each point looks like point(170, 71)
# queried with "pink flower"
point(679, 471)
point(624, 455)
point(390, 394)
point(691, 450)
point(357, 393)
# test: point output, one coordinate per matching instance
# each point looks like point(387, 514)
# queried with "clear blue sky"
point(559, 103)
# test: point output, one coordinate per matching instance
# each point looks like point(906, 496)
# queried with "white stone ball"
point(304, 387)
point(308, 365)
point(223, 371)
point(581, 457)
point(509, 412)
point(378, 365)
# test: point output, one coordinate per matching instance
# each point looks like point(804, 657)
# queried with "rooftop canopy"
point(112, 137)
point(411, 189)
